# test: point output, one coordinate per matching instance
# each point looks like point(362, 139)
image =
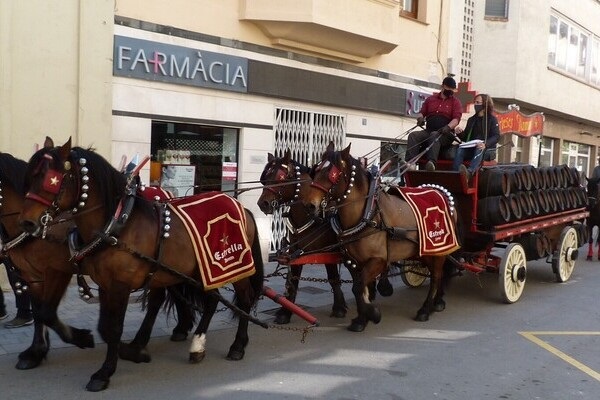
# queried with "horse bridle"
point(333, 176)
point(54, 183)
point(282, 173)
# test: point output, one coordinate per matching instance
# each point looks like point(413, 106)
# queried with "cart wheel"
point(414, 275)
point(563, 261)
point(513, 272)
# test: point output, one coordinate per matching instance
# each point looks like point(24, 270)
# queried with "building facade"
point(218, 84)
point(542, 56)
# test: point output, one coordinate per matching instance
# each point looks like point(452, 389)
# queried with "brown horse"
point(283, 179)
point(131, 243)
point(594, 218)
point(46, 268)
point(43, 264)
point(366, 236)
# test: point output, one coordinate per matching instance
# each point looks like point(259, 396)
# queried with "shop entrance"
point(189, 158)
point(307, 135)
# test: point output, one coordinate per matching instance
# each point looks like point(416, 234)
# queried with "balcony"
point(348, 30)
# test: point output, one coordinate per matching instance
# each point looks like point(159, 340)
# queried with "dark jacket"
point(493, 131)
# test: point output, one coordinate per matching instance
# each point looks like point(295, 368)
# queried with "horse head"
point(59, 179)
point(335, 179)
point(592, 187)
point(283, 179)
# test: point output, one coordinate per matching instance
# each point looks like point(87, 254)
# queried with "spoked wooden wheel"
point(513, 272)
point(563, 261)
point(413, 275)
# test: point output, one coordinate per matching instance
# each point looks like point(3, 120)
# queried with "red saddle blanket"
point(216, 224)
point(437, 235)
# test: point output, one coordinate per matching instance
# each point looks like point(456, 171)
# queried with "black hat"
point(449, 82)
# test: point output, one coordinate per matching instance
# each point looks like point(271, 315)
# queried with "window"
point(546, 151)
point(211, 152)
point(573, 50)
point(576, 155)
point(410, 8)
point(496, 9)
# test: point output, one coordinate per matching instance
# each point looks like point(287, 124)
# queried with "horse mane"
point(12, 172)
point(110, 182)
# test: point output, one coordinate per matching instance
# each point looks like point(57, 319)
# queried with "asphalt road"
point(545, 346)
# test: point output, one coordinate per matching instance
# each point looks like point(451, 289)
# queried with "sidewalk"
point(81, 314)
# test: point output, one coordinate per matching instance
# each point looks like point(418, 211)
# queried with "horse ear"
point(346, 152)
point(287, 156)
point(330, 147)
point(65, 149)
point(48, 143)
point(270, 157)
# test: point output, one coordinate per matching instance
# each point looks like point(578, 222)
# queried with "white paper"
point(470, 143)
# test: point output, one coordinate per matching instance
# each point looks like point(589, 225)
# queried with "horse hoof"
point(235, 355)
point(133, 354)
point(282, 317)
point(385, 288)
point(439, 306)
point(178, 336)
point(24, 364)
point(338, 313)
point(422, 317)
point(589, 258)
point(357, 326)
point(196, 357)
point(96, 385)
point(83, 339)
point(376, 316)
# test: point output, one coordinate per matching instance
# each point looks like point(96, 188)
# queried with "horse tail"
point(256, 280)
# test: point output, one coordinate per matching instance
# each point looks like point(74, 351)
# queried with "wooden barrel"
point(515, 207)
point(493, 210)
point(524, 203)
point(544, 177)
point(570, 198)
point(535, 207)
point(558, 177)
point(542, 200)
point(565, 171)
point(576, 178)
point(527, 177)
point(536, 179)
point(494, 182)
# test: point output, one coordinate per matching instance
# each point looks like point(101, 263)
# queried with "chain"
point(305, 331)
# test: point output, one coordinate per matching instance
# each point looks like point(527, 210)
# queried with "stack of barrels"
point(515, 192)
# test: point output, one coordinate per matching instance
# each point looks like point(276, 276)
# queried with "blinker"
point(52, 181)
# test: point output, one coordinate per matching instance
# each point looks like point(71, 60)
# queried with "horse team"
point(69, 195)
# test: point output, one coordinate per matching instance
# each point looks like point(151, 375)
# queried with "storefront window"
point(546, 151)
point(191, 158)
point(576, 155)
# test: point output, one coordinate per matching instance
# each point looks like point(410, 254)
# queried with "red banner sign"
point(514, 121)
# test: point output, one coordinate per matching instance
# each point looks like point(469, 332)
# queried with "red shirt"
point(450, 107)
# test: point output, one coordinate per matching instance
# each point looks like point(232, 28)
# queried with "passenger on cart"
point(440, 114)
point(479, 138)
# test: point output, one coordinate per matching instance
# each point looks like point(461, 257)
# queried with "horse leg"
point(46, 297)
point(40, 345)
point(136, 350)
point(185, 319)
point(590, 254)
point(361, 287)
point(436, 268)
point(384, 287)
point(245, 298)
point(198, 346)
point(113, 305)
point(339, 308)
point(283, 315)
